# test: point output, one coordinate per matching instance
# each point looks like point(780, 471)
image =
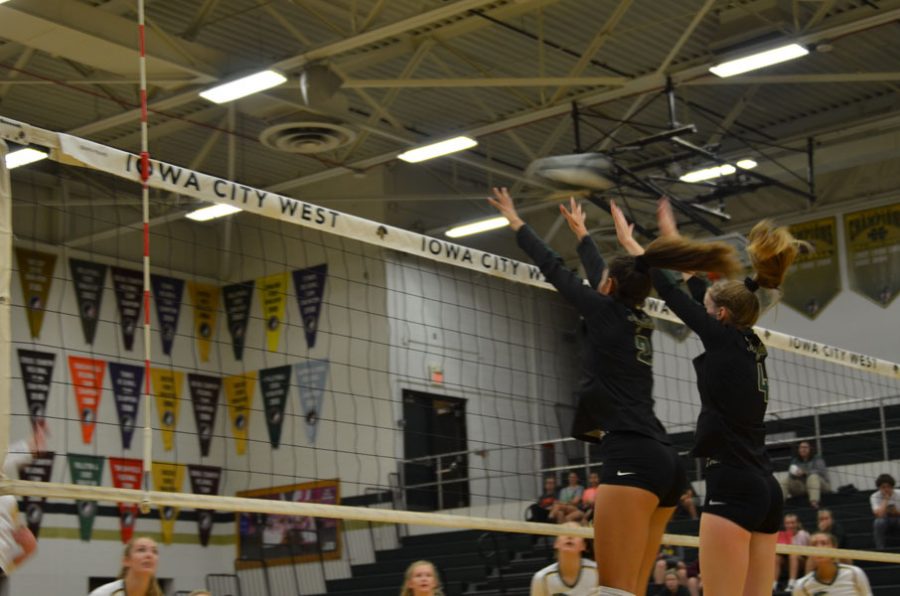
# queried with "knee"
point(813, 480)
point(661, 566)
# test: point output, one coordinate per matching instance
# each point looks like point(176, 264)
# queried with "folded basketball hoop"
point(580, 171)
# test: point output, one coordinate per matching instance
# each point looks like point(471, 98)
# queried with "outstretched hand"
point(575, 217)
point(502, 202)
point(625, 231)
point(665, 219)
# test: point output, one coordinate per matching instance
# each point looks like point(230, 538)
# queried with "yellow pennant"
point(167, 388)
point(273, 290)
point(168, 478)
point(239, 395)
point(206, 302)
point(36, 275)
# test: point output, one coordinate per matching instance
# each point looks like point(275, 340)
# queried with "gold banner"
point(206, 302)
point(168, 478)
point(815, 277)
point(273, 290)
point(238, 395)
point(873, 252)
point(35, 275)
point(167, 388)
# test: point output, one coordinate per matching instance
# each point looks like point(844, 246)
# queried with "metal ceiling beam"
point(685, 36)
point(467, 82)
point(200, 18)
point(20, 63)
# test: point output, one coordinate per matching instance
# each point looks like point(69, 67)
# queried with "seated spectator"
point(571, 574)
point(569, 499)
point(585, 511)
point(829, 576)
point(807, 475)
point(540, 511)
point(793, 533)
point(672, 586)
point(885, 504)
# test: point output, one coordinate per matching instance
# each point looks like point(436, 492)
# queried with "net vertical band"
point(5, 298)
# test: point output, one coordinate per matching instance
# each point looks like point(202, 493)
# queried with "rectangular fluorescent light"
point(717, 171)
point(759, 60)
point(476, 227)
point(437, 149)
point(243, 87)
point(212, 212)
point(23, 157)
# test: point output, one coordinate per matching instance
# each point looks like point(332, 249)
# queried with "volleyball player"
point(742, 513)
point(138, 574)
point(571, 574)
point(17, 542)
point(421, 579)
point(642, 477)
point(830, 578)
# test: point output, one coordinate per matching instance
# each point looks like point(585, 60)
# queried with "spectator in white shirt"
point(886, 508)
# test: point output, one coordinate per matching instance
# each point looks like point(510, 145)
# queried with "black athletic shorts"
point(632, 459)
point(751, 499)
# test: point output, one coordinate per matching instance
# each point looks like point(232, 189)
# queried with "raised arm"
point(590, 256)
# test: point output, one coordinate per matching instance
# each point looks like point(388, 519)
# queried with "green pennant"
point(86, 470)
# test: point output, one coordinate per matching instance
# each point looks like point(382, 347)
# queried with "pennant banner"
point(237, 299)
point(127, 383)
point(312, 375)
point(168, 478)
point(206, 300)
point(35, 275)
point(873, 252)
point(273, 291)
point(309, 285)
point(239, 395)
point(37, 376)
point(88, 279)
point(86, 470)
point(167, 388)
point(167, 292)
point(87, 380)
point(126, 473)
point(37, 471)
point(815, 277)
point(274, 384)
point(128, 285)
point(205, 399)
point(204, 481)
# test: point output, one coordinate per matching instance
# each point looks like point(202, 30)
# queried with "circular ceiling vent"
point(306, 137)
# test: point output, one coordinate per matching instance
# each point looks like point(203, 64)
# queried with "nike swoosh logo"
point(625, 473)
point(717, 503)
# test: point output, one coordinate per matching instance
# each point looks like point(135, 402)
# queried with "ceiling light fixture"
point(476, 227)
point(243, 87)
point(23, 157)
point(717, 171)
point(212, 212)
point(759, 60)
point(437, 149)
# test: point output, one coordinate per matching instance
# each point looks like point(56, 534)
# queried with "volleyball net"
point(303, 357)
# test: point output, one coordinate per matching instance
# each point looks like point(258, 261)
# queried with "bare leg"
point(654, 536)
point(659, 572)
point(622, 516)
point(760, 570)
point(724, 554)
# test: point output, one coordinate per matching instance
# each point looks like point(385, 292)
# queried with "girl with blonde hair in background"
point(421, 579)
point(138, 574)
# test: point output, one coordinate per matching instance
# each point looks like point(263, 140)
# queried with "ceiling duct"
point(308, 137)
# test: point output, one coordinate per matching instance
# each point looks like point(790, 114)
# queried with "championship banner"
point(206, 300)
point(309, 285)
point(37, 471)
point(205, 399)
point(238, 395)
point(312, 375)
point(167, 293)
point(88, 279)
point(37, 376)
point(873, 252)
point(815, 277)
point(274, 384)
point(86, 470)
point(127, 383)
point(168, 478)
point(237, 298)
point(273, 290)
point(127, 473)
point(167, 388)
point(204, 481)
point(87, 379)
point(128, 285)
point(35, 275)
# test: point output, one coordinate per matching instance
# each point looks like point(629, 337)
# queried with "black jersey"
point(616, 392)
point(731, 375)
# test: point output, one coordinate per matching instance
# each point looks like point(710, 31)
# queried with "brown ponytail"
point(683, 254)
